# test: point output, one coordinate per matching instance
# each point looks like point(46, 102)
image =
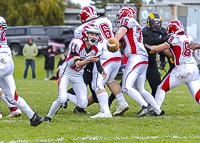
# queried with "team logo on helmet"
point(175, 26)
point(87, 13)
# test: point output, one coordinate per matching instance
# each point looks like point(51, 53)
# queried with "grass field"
point(181, 123)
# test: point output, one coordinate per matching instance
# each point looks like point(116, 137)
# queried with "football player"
point(109, 61)
point(81, 52)
point(135, 71)
point(14, 111)
point(7, 82)
point(185, 71)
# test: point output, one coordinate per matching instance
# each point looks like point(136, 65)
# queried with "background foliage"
point(33, 12)
point(102, 3)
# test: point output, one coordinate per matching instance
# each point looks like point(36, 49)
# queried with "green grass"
point(181, 123)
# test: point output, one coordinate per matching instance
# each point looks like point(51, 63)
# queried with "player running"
point(135, 71)
point(185, 71)
point(7, 82)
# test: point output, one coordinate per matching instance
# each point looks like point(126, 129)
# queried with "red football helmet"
point(126, 12)
point(174, 26)
point(87, 13)
point(90, 28)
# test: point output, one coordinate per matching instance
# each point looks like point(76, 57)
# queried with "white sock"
point(21, 104)
point(103, 101)
point(120, 97)
point(3, 98)
point(149, 98)
point(160, 97)
point(133, 93)
point(54, 108)
point(72, 98)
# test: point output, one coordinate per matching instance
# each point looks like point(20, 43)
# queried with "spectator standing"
point(49, 62)
point(30, 51)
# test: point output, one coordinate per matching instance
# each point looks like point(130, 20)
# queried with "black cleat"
point(80, 110)
point(47, 119)
point(65, 105)
point(154, 114)
point(144, 111)
point(36, 120)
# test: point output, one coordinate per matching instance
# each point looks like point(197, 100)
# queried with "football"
point(113, 45)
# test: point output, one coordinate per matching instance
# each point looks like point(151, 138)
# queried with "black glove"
point(167, 37)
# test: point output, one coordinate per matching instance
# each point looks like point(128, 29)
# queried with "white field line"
point(37, 140)
point(135, 137)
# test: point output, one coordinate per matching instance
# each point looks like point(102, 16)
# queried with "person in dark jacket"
point(49, 62)
point(154, 34)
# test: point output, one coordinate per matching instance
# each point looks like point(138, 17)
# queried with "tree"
point(33, 12)
point(102, 3)
point(73, 5)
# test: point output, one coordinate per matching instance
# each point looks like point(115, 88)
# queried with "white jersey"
point(179, 49)
point(106, 32)
point(3, 43)
point(77, 46)
point(133, 37)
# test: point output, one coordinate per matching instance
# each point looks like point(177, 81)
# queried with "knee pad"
point(83, 104)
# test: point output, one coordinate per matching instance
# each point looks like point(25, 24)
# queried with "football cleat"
point(101, 114)
point(65, 105)
point(15, 113)
point(144, 111)
point(36, 120)
point(80, 110)
point(1, 116)
point(121, 108)
point(155, 114)
point(47, 119)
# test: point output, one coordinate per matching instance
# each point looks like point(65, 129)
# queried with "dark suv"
point(17, 37)
point(62, 34)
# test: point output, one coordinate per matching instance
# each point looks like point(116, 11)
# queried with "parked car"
point(57, 47)
point(62, 34)
point(17, 37)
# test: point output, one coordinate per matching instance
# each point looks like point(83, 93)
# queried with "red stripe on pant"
point(144, 62)
point(111, 60)
point(16, 96)
point(197, 96)
point(165, 85)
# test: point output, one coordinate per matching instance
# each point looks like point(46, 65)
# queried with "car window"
point(67, 31)
point(37, 31)
point(20, 31)
point(10, 32)
point(53, 31)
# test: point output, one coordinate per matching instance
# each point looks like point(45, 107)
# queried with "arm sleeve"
point(152, 41)
point(99, 67)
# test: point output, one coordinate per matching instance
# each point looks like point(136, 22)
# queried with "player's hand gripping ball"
point(113, 45)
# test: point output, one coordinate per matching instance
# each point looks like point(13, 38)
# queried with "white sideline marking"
point(134, 137)
point(37, 140)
